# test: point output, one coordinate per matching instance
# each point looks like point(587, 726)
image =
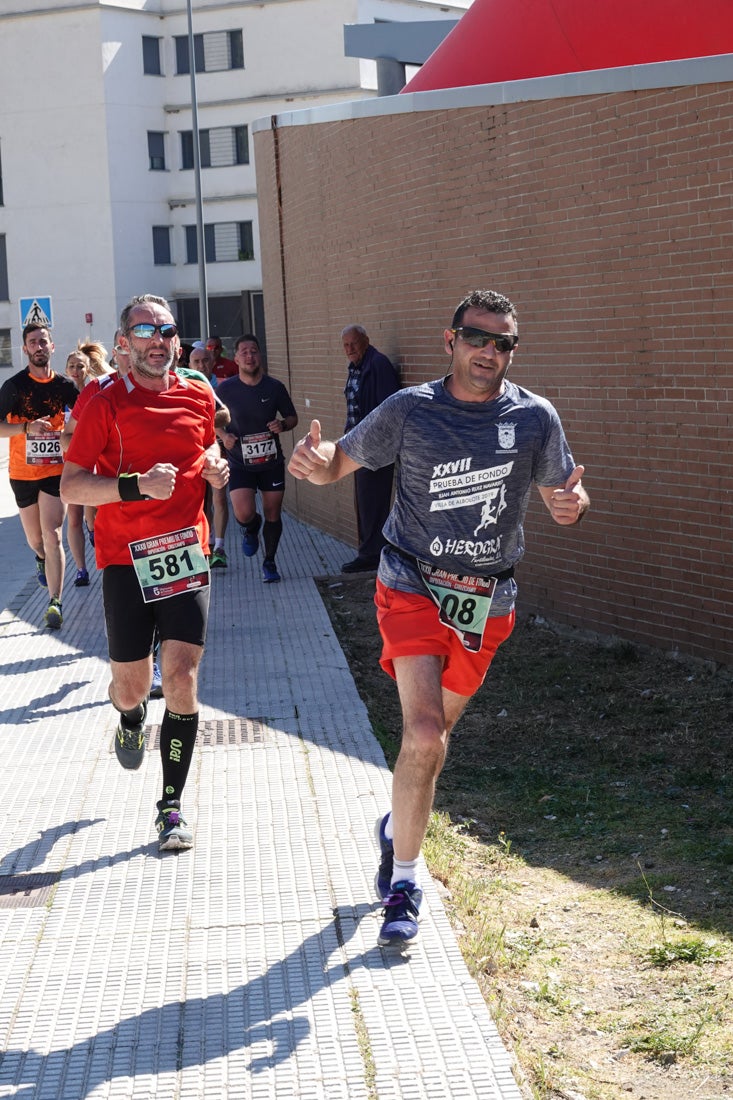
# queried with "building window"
point(6, 351)
point(161, 244)
point(213, 52)
point(4, 286)
point(151, 56)
point(187, 149)
point(223, 242)
point(156, 151)
point(220, 147)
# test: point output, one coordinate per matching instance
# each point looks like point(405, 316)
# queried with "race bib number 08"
point(43, 449)
point(463, 602)
point(169, 564)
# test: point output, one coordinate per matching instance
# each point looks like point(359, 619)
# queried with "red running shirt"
point(126, 429)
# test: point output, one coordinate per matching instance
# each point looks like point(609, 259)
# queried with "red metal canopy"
point(499, 40)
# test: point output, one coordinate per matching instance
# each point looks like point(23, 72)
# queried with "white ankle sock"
point(404, 872)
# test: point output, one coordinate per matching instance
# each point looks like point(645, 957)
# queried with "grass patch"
point(686, 949)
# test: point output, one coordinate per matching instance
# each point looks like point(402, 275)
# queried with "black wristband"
point(129, 488)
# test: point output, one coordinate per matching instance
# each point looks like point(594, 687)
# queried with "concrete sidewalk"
point(247, 967)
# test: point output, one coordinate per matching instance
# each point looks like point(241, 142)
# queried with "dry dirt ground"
point(584, 840)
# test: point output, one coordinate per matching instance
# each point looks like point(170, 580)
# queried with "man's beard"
point(138, 363)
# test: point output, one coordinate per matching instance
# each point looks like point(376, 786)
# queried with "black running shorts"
point(131, 623)
point(26, 492)
point(271, 479)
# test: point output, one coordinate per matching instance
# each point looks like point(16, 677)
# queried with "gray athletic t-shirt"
point(464, 477)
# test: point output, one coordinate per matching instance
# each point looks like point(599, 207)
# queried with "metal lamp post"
point(203, 297)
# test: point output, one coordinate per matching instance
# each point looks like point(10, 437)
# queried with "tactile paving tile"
point(236, 969)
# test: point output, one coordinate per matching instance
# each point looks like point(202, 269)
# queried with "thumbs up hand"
point(314, 435)
point(568, 505)
point(307, 456)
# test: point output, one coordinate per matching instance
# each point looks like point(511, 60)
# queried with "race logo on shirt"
point(456, 485)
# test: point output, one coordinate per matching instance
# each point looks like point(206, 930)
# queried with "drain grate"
point(222, 731)
point(26, 891)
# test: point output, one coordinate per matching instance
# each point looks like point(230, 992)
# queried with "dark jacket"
point(377, 380)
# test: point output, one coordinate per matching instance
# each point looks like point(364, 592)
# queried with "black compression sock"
point(135, 716)
point(271, 533)
point(253, 526)
point(177, 742)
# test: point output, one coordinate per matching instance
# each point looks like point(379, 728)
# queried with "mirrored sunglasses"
point(146, 332)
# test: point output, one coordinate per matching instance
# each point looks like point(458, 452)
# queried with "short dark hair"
point(248, 337)
point(488, 300)
point(35, 327)
point(140, 300)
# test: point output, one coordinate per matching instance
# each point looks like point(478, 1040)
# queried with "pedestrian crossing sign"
point(36, 311)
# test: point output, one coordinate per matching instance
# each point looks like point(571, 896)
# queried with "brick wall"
point(607, 219)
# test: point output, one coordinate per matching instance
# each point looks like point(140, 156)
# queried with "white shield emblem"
point(506, 436)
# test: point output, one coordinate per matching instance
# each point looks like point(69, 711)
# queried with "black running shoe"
point(173, 831)
point(53, 616)
point(130, 741)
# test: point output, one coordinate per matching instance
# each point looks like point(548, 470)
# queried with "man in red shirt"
point(223, 367)
point(142, 452)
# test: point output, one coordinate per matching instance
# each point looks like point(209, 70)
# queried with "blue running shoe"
point(269, 572)
point(401, 911)
point(156, 684)
point(41, 572)
point(82, 579)
point(251, 542)
point(383, 877)
point(250, 545)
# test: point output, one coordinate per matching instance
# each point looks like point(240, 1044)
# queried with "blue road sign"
point(36, 311)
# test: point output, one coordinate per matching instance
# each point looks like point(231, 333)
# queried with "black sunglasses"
point(146, 332)
point(477, 338)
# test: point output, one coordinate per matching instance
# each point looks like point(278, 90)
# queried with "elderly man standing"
point(372, 378)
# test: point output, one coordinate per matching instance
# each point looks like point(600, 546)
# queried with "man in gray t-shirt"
point(469, 448)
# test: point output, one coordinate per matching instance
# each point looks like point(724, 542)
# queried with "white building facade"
point(97, 187)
